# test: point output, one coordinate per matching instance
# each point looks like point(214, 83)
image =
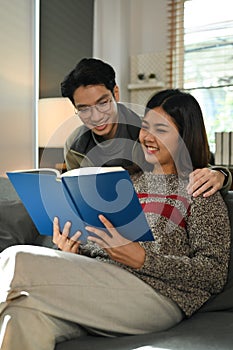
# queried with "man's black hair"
point(89, 71)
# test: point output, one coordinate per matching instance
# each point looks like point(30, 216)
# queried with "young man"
point(109, 136)
point(110, 132)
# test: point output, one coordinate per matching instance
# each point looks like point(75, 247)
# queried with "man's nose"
point(95, 114)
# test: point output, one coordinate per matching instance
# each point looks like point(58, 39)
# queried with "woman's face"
point(159, 138)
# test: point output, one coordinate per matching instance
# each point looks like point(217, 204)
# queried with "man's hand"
point(206, 181)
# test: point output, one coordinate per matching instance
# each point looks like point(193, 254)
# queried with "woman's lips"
point(151, 150)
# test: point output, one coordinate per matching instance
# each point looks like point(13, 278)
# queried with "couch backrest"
point(7, 191)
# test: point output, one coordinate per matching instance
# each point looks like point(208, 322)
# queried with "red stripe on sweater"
point(168, 211)
point(172, 196)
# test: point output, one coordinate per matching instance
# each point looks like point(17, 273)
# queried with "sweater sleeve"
point(206, 265)
point(228, 180)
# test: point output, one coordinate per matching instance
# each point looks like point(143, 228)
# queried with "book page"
point(45, 171)
point(91, 171)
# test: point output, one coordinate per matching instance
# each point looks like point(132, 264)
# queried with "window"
point(207, 59)
point(175, 54)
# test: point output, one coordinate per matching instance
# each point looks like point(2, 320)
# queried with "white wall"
point(17, 87)
point(128, 27)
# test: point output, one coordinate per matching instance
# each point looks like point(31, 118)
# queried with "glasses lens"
point(84, 113)
point(101, 107)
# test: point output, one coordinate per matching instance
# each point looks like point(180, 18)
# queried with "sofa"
point(211, 328)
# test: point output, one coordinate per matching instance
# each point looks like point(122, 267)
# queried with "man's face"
point(97, 109)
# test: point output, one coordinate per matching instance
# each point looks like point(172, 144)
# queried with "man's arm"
point(207, 181)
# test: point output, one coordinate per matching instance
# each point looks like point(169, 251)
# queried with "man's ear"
point(116, 91)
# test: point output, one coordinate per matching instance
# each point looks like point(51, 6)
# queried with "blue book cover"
point(79, 196)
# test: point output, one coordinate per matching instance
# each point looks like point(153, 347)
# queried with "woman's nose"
point(149, 137)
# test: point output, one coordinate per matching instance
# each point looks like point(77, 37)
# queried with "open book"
point(79, 196)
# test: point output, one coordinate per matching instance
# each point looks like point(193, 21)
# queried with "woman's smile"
point(151, 149)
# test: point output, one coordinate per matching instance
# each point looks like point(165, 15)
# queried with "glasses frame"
point(102, 107)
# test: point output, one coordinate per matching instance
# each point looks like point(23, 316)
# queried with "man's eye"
point(83, 110)
point(103, 103)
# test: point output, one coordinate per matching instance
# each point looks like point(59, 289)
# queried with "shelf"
point(147, 85)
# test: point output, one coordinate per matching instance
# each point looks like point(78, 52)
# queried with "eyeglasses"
point(102, 107)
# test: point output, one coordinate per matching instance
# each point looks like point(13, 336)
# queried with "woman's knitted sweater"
point(188, 260)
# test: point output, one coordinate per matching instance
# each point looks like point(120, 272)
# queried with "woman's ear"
point(116, 91)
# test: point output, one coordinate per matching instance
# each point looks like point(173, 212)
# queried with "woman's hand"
point(118, 248)
point(201, 180)
point(62, 240)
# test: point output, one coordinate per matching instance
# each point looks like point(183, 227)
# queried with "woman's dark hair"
point(186, 113)
point(89, 71)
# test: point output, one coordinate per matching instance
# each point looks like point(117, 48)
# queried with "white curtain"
point(111, 38)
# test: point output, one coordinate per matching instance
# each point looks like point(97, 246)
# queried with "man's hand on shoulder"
point(205, 181)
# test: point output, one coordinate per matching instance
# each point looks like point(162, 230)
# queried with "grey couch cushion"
point(203, 331)
point(16, 226)
point(7, 191)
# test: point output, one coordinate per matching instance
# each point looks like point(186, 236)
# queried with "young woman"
point(112, 286)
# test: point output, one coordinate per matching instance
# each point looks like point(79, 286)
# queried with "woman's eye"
point(161, 131)
point(143, 126)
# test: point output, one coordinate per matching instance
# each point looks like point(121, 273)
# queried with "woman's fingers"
point(62, 240)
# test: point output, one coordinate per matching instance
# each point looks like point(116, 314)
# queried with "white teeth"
point(151, 148)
